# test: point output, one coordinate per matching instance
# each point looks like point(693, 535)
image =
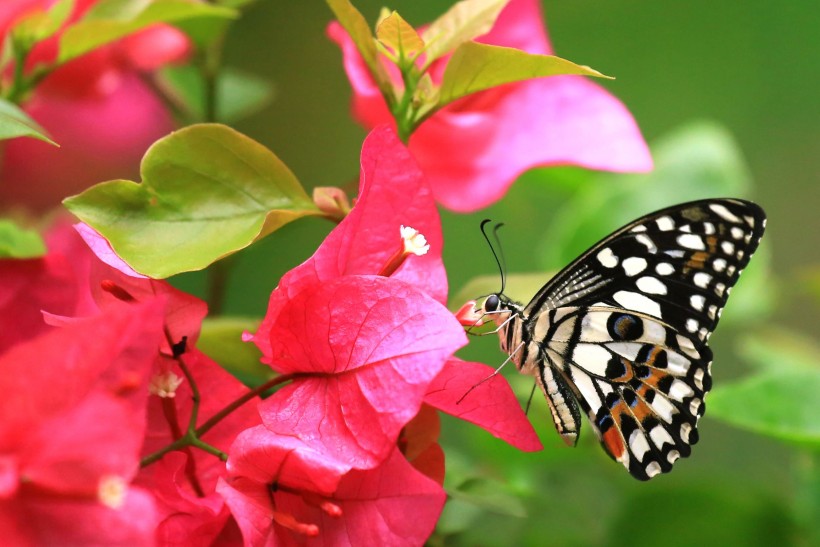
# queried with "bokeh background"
point(726, 94)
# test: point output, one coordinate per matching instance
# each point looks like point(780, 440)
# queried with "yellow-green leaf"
point(16, 242)
point(356, 26)
point(105, 26)
point(16, 123)
point(398, 35)
point(461, 23)
point(475, 67)
point(207, 191)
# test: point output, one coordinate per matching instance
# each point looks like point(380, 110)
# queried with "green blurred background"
point(749, 69)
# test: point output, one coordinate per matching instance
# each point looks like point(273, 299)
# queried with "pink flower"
point(363, 347)
point(96, 107)
point(70, 432)
point(71, 284)
point(283, 491)
point(473, 150)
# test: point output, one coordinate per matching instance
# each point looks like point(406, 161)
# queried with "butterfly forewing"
point(624, 328)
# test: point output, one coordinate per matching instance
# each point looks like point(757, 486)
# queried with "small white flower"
point(414, 242)
point(111, 491)
point(164, 385)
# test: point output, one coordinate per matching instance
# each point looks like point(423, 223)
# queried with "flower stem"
point(216, 418)
point(193, 436)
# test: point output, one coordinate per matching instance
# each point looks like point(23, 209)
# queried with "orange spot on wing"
point(613, 443)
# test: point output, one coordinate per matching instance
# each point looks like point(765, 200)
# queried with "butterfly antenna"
point(503, 263)
point(492, 249)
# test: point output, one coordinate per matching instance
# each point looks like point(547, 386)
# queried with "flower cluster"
point(115, 428)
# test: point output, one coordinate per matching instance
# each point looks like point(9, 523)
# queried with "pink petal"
point(392, 193)
point(472, 151)
point(375, 343)
point(369, 107)
point(263, 456)
point(72, 451)
point(563, 120)
point(102, 249)
point(54, 521)
point(492, 405)
point(93, 148)
point(250, 505)
point(185, 518)
point(391, 505)
point(521, 26)
point(112, 351)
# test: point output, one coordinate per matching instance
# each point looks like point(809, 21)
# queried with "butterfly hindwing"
point(642, 391)
point(623, 329)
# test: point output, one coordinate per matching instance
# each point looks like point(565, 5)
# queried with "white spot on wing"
point(737, 232)
point(728, 247)
point(719, 265)
point(702, 279)
point(644, 240)
point(677, 364)
point(664, 268)
point(587, 389)
point(607, 258)
point(651, 285)
point(592, 358)
point(665, 223)
point(663, 408)
point(634, 265)
point(724, 213)
point(691, 325)
point(691, 241)
point(638, 444)
point(638, 302)
point(653, 469)
point(685, 430)
point(697, 301)
point(680, 391)
point(659, 436)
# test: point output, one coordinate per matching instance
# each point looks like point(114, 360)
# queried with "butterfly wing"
point(626, 325)
point(677, 264)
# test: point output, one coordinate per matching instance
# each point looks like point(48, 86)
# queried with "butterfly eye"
point(492, 303)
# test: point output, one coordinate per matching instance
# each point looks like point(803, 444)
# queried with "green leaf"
point(118, 18)
point(397, 34)
point(221, 340)
point(356, 26)
point(773, 349)
point(464, 21)
point(239, 94)
point(16, 123)
point(779, 403)
point(697, 161)
point(15, 242)
point(207, 191)
point(475, 67)
point(489, 495)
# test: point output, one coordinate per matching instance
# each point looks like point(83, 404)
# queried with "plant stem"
point(216, 418)
point(193, 436)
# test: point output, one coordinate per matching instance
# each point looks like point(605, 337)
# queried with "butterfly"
point(621, 333)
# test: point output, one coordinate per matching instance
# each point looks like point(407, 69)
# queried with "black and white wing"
point(626, 325)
